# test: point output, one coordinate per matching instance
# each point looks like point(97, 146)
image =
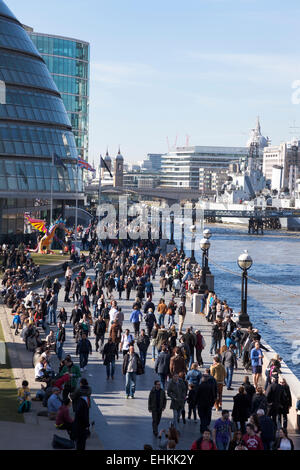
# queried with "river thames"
point(276, 262)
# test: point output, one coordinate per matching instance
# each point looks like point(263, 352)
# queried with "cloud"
point(122, 74)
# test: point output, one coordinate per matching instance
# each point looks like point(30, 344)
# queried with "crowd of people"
point(258, 419)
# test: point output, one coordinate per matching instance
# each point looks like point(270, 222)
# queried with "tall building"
point(118, 170)
point(33, 126)
point(285, 155)
point(68, 62)
point(152, 162)
point(180, 167)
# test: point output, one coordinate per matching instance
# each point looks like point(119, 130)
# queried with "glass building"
point(34, 125)
point(68, 62)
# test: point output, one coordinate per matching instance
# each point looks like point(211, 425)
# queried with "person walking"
point(143, 342)
point(75, 317)
point(135, 319)
point(216, 336)
point(267, 429)
point(205, 399)
point(68, 283)
point(229, 361)
point(115, 332)
point(52, 307)
point(222, 431)
point(109, 355)
point(241, 410)
point(60, 339)
point(84, 348)
point(217, 371)
point(274, 397)
point(285, 404)
point(132, 366)
point(127, 339)
point(162, 365)
point(162, 310)
point(99, 331)
point(181, 316)
point(157, 402)
point(81, 423)
point(150, 320)
point(177, 392)
point(200, 345)
point(256, 357)
point(177, 362)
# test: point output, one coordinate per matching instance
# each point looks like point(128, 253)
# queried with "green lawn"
point(56, 258)
point(8, 391)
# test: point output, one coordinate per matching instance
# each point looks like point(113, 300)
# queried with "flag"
point(37, 224)
point(85, 165)
point(103, 165)
point(58, 161)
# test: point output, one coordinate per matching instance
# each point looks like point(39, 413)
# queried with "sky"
point(196, 72)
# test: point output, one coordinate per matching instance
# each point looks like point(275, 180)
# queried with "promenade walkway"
point(126, 424)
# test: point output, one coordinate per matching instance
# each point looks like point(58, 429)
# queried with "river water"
point(276, 263)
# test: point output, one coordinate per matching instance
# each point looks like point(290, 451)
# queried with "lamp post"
point(172, 228)
point(193, 230)
point(182, 238)
point(204, 245)
point(244, 262)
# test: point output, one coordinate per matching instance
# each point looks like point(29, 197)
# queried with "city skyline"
point(175, 70)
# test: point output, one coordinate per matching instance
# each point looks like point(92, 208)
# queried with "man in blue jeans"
point(84, 348)
point(229, 362)
point(131, 366)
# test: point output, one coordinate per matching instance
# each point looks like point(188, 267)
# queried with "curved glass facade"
point(34, 125)
point(68, 63)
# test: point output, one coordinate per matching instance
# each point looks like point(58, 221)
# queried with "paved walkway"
point(126, 424)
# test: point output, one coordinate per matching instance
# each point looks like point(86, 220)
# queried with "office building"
point(68, 62)
point(285, 155)
point(180, 167)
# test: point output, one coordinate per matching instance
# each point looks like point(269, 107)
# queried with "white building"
point(286, 154)
point(180, 167)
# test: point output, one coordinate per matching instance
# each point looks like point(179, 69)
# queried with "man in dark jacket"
point(109, 355)
point(229, 362)
point(149, 304)
point(156, 404)
point(205, 400)
point(216, 336)
point(150, 320)
point(274, 398)
point(84, 348)
point(81, 423)
point(68, 283)
point(75, 317)
point(99, 331)
point(60, 339)
point(143, 342)
point(268, 429)
point(162, 365)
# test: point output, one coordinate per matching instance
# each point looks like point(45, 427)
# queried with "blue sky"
point(203, 68)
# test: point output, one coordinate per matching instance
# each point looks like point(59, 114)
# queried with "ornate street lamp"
point(182, 238)
point(193, 231)
point(244, 262)
point(204, 245)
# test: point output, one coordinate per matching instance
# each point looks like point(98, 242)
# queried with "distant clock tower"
point(118, 170)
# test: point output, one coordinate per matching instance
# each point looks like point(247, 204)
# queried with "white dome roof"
point(256, 137)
